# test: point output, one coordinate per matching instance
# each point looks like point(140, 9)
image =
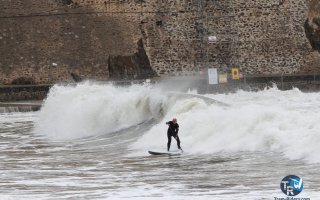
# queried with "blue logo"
point(291, 185)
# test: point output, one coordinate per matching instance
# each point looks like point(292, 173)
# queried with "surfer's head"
point(174, 120)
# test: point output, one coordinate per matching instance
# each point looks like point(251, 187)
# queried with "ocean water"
point(90, 141)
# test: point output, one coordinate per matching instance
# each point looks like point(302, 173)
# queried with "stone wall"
point(23, 93)
point(272, 38)
point(48, 40)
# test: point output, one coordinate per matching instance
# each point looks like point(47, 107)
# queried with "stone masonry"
point(45, 41)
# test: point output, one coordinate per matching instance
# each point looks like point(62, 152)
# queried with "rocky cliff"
point(312, 29)
point(46, 41)
point(312, 24)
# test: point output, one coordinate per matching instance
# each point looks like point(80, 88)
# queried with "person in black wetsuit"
point(173, 132)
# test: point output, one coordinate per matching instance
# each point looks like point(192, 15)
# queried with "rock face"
point(48, 41)
point(312, 24)
point(313, 32)
point(136, 66)
point(312, 29)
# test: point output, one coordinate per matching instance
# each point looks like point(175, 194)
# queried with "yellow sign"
point(235, 73)
point(223, 78)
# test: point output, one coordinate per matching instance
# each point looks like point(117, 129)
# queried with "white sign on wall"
point(213, 76)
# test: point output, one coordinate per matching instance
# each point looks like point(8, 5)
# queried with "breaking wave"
point(91, 109)
point(285, 122)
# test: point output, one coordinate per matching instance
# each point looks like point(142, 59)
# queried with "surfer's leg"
point(169, 142)
point(178, 141)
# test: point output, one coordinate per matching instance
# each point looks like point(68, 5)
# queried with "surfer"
point(173, 132)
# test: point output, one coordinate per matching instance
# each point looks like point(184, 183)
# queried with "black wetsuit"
point(173, 132)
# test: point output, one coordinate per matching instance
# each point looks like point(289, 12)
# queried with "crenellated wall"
point(48, 40)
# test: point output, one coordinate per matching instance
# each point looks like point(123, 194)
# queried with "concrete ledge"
point(7, 107)
point(23, 92)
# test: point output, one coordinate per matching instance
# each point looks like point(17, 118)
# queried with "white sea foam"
point(90, 109)
point(270, 120)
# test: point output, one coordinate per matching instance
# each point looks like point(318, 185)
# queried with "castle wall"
point(47, 40)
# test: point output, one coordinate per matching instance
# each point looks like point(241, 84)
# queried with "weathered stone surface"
point(312, 24)
point(23, 93)
point(313, 32)
point(48, 40)
point(136, 66)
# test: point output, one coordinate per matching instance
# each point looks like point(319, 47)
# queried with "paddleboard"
point(165, 153)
